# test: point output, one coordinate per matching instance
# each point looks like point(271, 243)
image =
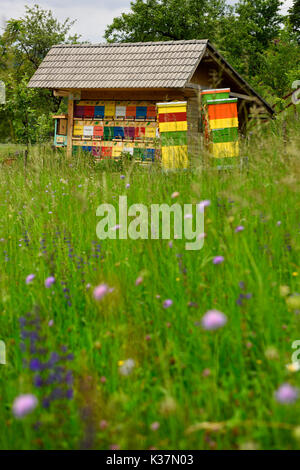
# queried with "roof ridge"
point(128, 44)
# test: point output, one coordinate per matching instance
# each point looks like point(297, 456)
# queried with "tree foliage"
point(161, 20)
point(294, 16)
point(23, 45)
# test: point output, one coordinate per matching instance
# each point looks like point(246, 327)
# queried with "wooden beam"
point(62, 93)
point(244, 97)
point(70, 127)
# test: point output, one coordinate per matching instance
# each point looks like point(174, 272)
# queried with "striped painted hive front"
point(222, 117)
point(172, 120)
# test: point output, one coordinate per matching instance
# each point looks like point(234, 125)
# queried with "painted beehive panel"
point(221, 123)
point(109, 128)
point(172, 120)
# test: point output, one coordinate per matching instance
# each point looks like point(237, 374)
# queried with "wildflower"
point(167, 303)
point(139, 281)
point(278, 223)
point(127, 367)
point(103, 424)
point(122, 177)
point(201, 236)
point(30, 278)
point(103, 379)
point(23, 405)
point(284, 291)
point(206, 372)
point(295, 274)
point(168, 405)
point(293, 367)
point(100, 291)
point(54, 371)
point(116, 227)
point(213, 320)
point(293, 301)
point(127, 185)
point(218, 259)
point(239, 228)
point(175, 194)
point(35, 364)
point(170, 244)
point(50, 323)
point(154, 426)
point(203, 204)
point(286, 394)
point(114, 447)
point(49, 281)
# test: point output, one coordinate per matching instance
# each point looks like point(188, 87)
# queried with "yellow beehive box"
point(224, 149)
point(172, 107)
point(174, 157)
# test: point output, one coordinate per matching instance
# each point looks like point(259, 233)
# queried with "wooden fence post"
point(70, 126)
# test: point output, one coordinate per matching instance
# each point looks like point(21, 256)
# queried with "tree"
point(29, 39)
point(23, 45)
point(155, 20)
point(248, 34)
point(294, 16)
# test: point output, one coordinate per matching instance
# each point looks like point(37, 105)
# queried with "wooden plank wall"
point(194, 133)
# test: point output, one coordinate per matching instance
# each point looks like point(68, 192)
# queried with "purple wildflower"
point(35, 364)
point(30, 278)
point(49, 281)
point(138, 281)
point(203, 204)
point(286, 394)
point(239, 228)
point(23, 405)
point(154, 426)
point(100, 291)
point(218, 259)
point(213, 320)
point(127, 185)
point(103, 424)
point(167, 303)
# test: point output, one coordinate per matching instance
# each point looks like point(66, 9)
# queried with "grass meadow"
point(184, 387)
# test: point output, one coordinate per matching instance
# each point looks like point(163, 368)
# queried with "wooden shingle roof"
point(124, 65)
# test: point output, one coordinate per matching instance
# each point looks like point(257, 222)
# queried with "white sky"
point(92, 15)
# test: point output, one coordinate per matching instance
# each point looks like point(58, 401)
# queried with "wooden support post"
point(70, 127)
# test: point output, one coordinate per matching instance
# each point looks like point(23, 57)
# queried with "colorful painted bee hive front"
point(221, 122)
point(172, 118)
point(110, 128)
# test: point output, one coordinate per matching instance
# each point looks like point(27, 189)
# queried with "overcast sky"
point(92, 15)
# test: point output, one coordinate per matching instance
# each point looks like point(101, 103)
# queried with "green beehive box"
point(173, 138)
point(216, 94)
point(138, 153)
point(222, 101)
point(108, 133)
point(229, 134)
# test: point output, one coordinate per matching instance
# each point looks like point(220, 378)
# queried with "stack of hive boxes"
point(221, 122)
point(108, 128)
point(172, 121)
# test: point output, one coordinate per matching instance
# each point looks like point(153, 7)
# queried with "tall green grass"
point(206, 389)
